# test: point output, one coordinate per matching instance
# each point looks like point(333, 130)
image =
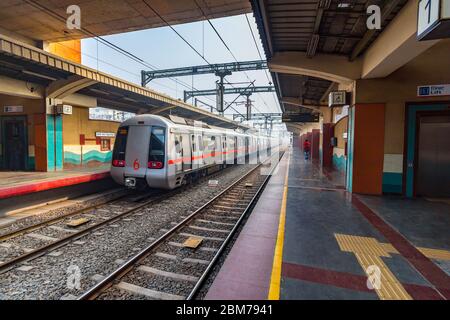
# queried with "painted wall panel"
point(368, 148)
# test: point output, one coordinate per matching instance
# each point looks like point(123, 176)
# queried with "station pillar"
point(54, 133)
point(327, 148)
point(315, 144)
point(366, 148)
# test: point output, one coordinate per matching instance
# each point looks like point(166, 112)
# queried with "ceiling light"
point(344, 5)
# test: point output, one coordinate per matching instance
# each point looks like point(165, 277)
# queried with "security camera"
point(32, 89)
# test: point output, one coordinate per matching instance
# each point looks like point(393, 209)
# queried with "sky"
point(162, 48)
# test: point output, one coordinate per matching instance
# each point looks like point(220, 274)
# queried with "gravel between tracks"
point(96, 254)
point(32, 220)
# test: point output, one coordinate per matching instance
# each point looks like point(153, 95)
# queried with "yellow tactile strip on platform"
point(368, 252)
point(437, 254)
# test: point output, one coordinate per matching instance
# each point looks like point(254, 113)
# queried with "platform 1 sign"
point(433, 19)
point(434, 90)
point(301, 117)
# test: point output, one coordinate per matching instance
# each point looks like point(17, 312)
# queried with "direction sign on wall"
point(434, 90)
point(433, 19)
point(301, 117)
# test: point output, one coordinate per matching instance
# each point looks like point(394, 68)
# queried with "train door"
point(186, 152)
point(213, 149)
point(178, 154)
point(194, 151)
point(136, 155)
point(15, 143)
point(218, 150)
point(247, 149)
point(201, 150)
point(224, 150)
point(236, 149)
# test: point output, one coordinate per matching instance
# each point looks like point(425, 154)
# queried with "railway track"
point(33, 241)
point(167, 268)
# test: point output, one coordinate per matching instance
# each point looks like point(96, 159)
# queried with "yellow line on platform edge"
point(275, 279)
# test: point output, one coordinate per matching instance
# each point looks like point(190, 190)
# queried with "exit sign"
point(433, 19)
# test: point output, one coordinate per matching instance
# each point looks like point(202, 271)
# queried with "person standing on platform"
point(307, 149)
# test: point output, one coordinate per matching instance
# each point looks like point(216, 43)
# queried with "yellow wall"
point(431, 67)
point(70, 50)
point(78, 123)
point(339, 129)
point(90, 154)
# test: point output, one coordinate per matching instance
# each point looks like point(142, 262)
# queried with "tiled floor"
point(335, 242)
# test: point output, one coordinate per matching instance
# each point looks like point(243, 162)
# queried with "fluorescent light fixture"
point(38, 75)
point(344, 5)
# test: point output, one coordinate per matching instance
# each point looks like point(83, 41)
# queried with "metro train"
point(157, 152)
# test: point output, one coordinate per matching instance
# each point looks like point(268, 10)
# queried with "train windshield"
point(119, 147)
point(157, 148)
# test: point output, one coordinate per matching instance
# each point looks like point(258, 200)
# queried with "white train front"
point(154, 151)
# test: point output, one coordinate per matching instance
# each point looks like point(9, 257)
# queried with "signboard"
point(109, 114)
point(434, 90)
point(433, 19)
point(13, 109)
point(337, 99)
point(105, 134)
point(301, 117)
point(63, 109)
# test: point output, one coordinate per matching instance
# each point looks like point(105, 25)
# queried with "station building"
point(389, 137)
point(46, 97)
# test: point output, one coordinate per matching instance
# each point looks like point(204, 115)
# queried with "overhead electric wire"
point(228, 48)
point(181, 37)
point(106, 42)
point(259, 54)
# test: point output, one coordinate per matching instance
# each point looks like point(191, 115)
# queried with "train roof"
point(149, 119)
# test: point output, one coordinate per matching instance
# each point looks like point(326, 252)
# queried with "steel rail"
point(51, 221)
point(7, 265)
point(219, 252)
point(128, 266)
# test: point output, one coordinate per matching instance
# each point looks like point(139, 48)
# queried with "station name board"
point(301, 117)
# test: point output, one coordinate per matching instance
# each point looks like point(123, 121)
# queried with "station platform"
point(308, 238)
point(18, 183)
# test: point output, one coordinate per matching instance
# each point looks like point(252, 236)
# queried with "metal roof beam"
point(148, 76)
point(388, 7)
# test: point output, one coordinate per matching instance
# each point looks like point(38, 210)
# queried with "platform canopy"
point(46, 19)
point(312, 46)
point(61, 78)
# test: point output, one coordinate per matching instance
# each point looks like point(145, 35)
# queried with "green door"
point(15, 143)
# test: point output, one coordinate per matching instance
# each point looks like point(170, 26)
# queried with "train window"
point(200, 143)
point(120, 145)
point(177, 146)
point(193, 143)
point(156, 154)
point(213, 143)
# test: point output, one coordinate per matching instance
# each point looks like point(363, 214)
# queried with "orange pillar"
point(315, 144)
point(368, 148)
point(327, 148)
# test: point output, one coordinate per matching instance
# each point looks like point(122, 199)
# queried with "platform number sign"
point(433, 19)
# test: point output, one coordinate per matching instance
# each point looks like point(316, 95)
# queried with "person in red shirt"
point(306, 148)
